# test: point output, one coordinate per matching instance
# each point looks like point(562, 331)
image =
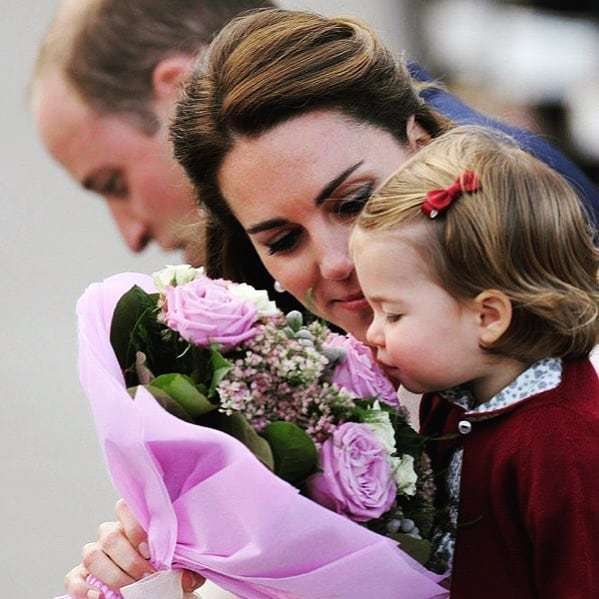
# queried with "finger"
point(98, 564)
point(190, 581)
point(74, 582)
point(117, 547)
point(133, 531)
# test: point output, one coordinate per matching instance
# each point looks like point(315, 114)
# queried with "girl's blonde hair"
point(523, 232)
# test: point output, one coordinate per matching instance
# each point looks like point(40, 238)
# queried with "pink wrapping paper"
point(210, 506)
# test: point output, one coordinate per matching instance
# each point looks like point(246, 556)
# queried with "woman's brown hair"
point(269, 67)
point(522, 232)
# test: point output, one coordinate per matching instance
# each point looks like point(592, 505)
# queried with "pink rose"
point(356, 479)
point(359, 373)
point(205, 311)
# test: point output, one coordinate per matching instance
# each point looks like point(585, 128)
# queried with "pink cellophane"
point(210, 506)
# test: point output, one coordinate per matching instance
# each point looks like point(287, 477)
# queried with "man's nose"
point(134, 230)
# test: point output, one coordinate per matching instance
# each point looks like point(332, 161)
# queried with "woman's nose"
point(335, 264)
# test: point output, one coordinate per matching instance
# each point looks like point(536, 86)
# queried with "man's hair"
point(522, 232)
point(107, 50)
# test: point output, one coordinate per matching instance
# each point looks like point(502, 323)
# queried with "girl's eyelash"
point(391, 318)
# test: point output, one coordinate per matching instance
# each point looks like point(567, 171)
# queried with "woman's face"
point(296, 191)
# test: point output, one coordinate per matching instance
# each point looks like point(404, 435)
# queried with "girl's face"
point(427, 339)
point(296, 190)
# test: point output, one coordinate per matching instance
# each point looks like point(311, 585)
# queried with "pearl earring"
point(279, 288)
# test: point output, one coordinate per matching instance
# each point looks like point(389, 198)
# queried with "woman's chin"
point(356, 323)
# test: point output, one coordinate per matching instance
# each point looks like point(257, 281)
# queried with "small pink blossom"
point(356, 478)
point(359, 373)
point(205, 311)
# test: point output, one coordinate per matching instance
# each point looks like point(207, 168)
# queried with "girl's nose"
point(374, 334)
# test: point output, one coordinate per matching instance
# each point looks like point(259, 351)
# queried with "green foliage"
point(220, 367)
point(133, 325)
point(182, 389)
point(406, 437)
point(294, 452)
point(419, 549)
point(165, 400)
point(237, 426)
point(135, 328)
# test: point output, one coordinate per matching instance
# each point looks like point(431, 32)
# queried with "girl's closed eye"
point(392, 318)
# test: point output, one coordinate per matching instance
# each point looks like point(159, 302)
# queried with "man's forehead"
point(58, 111)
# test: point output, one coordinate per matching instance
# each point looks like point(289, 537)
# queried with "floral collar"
point(543, 375)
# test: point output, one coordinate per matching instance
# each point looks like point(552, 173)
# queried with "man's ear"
point(169, 74)
point(494, 314)
point(416, 134)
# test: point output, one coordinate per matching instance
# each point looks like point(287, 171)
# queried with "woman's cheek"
point(292, 275)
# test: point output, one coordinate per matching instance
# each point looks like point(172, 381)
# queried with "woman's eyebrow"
point(330, 187)
point(326, 191)
point(265, 225)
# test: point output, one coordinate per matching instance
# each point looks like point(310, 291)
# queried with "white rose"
point(380, 423)
point(173, 275)
point(258, 297)
point(404, 474)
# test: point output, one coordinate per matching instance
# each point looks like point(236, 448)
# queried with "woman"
point(292, 122)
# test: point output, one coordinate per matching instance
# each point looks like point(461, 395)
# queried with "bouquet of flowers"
point(311, 406)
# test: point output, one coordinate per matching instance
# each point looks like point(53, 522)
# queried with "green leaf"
point(220, 367)
point(165, 400)
point(419, 549)
point(181, 388)
point(294, 451)
point(130, 310)
point(237, 426)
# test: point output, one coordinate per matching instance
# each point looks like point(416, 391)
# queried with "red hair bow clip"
point(439, 200)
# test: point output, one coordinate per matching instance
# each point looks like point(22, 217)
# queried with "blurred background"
point(533, 63)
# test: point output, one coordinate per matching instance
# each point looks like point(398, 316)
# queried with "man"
point(106, 80)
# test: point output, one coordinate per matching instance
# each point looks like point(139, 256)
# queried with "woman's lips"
point(354, 303)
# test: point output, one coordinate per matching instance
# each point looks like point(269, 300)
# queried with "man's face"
point(145, 189)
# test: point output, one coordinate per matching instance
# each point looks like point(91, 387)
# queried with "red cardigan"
point(528, 524)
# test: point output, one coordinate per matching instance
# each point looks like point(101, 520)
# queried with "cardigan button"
point(464, 426)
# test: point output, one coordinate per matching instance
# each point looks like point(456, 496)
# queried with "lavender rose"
point(358, 372)
point(356, 479)
point(205, 311)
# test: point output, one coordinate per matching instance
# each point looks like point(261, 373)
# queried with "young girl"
point(480, 268)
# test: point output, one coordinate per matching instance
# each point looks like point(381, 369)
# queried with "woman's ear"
point(494, 314)
point(416, 134)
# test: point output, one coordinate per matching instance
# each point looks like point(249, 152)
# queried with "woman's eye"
point(284, 243)
point(353, 204)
